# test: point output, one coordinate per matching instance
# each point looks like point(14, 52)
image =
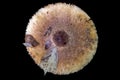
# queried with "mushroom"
point(64, 38)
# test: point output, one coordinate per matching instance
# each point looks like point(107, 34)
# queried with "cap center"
point(60, 38)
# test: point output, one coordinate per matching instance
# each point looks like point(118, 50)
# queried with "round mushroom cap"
point(62, 31)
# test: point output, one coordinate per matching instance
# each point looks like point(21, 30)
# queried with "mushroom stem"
point(50, 64)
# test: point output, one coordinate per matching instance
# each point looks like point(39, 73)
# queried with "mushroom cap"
point(82, 36)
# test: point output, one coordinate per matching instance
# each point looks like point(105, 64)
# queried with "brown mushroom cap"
point(77, 44)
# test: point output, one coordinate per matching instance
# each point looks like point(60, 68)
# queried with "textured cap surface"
point(82, 41)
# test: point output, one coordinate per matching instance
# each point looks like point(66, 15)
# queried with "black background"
point(19, 65)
